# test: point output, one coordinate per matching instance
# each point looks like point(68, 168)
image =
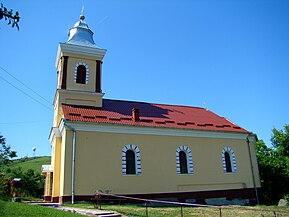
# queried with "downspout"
point(73, 161)
point(252, 169)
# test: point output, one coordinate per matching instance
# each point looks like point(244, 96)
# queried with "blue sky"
point(229, 56)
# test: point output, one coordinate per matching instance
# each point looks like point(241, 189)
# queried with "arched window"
point(81, 74)
point(131, 163)
point(229, 160)
point(184, 160)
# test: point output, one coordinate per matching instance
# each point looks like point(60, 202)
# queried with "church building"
point(138, 149)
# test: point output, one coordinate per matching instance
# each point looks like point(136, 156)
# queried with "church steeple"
point(79, 68)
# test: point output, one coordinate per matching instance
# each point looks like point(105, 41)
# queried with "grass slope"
point(9, 209)
point(33, 163)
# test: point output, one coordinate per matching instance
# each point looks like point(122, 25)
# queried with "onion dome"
point(80, 34)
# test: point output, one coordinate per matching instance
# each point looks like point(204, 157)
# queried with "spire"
point(80, 34)
point(82, 17)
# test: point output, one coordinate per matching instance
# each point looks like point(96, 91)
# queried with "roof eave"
point(156, 129)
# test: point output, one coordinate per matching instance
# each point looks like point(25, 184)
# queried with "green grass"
point(9, 209)
point(232, 211)
point(187, 211)
point(33, 163)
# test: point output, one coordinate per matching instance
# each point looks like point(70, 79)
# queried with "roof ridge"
point(131, 101)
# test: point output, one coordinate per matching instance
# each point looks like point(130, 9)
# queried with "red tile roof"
point(151, 115)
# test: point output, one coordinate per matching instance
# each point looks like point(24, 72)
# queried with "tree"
point(274, 166)
point(6, 154)
point(280, 140)
point(13, 19)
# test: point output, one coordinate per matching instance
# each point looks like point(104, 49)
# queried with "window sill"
point(230, 172)
point(131, 174)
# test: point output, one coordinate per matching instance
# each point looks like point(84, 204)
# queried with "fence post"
point(182, 211)
point(147, 213)
point(220, 211)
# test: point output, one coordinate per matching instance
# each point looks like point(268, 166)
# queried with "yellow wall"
point(71, 84)
point(77, 94)
point(58, 114)
point(56, 167)
point(255, 163)
point(77, 98)
point(65, 167)
point(99, 164)
point(47, 186)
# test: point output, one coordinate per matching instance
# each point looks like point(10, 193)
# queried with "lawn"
point(232, 211)
point(138, 211)
point(9, 209)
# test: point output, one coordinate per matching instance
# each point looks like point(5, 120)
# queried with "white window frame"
point(136, 151)
point(86, 74)
point(190, 165)
point(232, 155)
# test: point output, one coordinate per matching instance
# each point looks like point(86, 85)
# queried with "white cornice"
point(54, 132)
point(46, 168)
point(113, 128)
point(51, 136)
point(76, 92)
point(61, 126)
point(80, 92)
point(252, 138)
point(97, 53)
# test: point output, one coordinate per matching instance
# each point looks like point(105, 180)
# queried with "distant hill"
point(27, 163)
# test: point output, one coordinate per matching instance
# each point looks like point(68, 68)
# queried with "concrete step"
point(101, 213)
point(89, 212)
point(111, 215)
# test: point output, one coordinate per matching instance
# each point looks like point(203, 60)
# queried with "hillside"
point(33, 163)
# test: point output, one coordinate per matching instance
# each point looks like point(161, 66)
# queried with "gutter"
point(252, 168)
point(73, 161)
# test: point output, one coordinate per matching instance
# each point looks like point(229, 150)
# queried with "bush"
point(32, 184)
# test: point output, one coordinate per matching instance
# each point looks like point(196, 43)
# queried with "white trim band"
point(126, 129)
